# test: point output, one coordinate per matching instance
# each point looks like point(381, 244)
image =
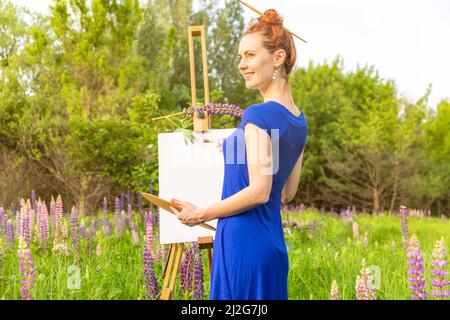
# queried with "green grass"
point(321, 249)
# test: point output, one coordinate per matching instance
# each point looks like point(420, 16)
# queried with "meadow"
point(56, 254)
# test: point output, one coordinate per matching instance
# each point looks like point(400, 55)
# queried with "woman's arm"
point(291, 186)
point(259, 163)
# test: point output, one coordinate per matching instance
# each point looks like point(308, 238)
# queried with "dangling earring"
point(274, 76)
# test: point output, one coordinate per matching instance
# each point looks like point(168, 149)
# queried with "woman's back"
point(250, 257)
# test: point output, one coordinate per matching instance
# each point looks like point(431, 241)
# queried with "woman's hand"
point(220, 144)
point(190, 214)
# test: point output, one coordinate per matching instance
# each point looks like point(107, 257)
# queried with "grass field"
point(322, 248)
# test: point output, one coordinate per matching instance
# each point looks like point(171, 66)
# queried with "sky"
point(407, 41)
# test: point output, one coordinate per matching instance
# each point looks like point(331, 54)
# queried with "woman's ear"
point(279, 57)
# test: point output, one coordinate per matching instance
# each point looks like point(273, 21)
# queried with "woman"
point(250, 258)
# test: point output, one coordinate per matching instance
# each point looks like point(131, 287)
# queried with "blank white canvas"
point(192, 173)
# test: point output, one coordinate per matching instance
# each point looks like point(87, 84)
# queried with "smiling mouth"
point(248, 75)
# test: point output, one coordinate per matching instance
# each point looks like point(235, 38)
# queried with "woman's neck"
point(279, 91)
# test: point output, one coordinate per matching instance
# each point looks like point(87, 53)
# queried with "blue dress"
point(250, 260)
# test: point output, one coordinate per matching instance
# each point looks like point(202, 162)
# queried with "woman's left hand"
point(190, 214)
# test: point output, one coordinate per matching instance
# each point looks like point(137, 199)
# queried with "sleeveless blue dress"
point(250, 260)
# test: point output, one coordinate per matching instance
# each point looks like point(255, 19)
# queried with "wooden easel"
point(201, 123)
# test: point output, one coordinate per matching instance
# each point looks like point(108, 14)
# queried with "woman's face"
point(256, 62)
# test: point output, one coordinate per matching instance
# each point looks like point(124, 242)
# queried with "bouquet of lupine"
point(215, 109)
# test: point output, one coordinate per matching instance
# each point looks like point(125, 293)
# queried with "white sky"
point(405, 40)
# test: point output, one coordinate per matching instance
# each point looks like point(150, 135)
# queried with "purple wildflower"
point(416, 269)
point(440, 281)
point(198, 273)
point(150, 283)
point(26, 266)
point(186, 271)
point(2, 219)
point(149, 236)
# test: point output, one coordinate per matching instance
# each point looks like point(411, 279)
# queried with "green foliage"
point(79, 90)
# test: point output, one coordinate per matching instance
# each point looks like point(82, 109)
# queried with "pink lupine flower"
point(334, 292)
point(99, 249)
point(364, 288)
point(43, 224)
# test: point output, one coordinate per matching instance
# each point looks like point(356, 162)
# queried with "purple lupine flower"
point(334, 292)
point(43, 224)
point(198, 273)
point(404, 224)
point(121, 201)
point(26, 266)
point(364, 287)
point(416, 270)
point(440, 280)
point(2, 219)
point(150, 283)
point(186, 269)
point(149, 235)
point(74, 227)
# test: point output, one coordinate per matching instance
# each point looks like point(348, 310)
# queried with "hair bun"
point(271, 16)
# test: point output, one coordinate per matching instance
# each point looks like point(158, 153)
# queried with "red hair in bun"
point(275, 35)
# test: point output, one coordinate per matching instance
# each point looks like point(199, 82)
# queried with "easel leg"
point(176, 250)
